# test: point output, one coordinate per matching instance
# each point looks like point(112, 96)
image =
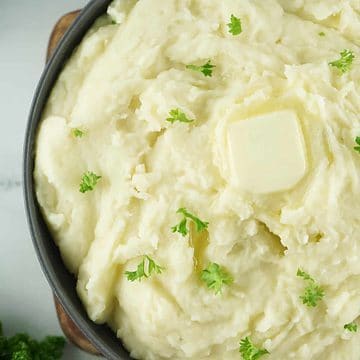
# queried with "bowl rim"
point(59, 278)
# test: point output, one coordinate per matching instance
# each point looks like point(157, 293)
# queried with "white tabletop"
point(26, 302)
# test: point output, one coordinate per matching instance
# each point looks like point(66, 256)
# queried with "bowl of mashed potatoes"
point(192, 177)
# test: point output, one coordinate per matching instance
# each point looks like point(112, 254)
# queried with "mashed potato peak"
point(268, 162)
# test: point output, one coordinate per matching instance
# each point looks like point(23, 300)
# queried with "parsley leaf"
point(344, 63)
point(249, 351)
point(234, 25)
point(313, 292)
point(88, 182)
point(144, 270)
point(215, 277)
point(206, 69)
point(357, 140)
point(51, 348)
point(23, 347)
point(351, 327)
point(304, 275)
point(178, 115)
point(321, 33)
point(182, 226)
point(78, 133)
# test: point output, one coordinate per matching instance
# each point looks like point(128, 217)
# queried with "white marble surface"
point(25, 298)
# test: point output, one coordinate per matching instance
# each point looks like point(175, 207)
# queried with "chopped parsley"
point(206, 69)
point(78, 133)
point(357, 140)
point(235, 27)
point(23, 347)
point(313, 292)
point(215, 277)
point(178, 115)
point(249, 351)
point(352, 327)
point(182, 227)
point(88, 182)
point(345, 62)
point(321, 33)
point(145, 269)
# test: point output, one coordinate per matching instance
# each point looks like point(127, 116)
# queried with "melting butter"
point(267, 152)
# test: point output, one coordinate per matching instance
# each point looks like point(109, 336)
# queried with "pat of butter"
point(267, 152)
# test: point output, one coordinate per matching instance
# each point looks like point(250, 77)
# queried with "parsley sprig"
point(235, 27)
point(345, 62)
point(249, 351)
point(145, 269)
point(206, 69)
point(357, 140)
point(178, 115)
point(313, 292)
point(78, 133)
point(88, 182)
point(23, 347)
point(182, 227)
point(215, 277)
point(352, 327)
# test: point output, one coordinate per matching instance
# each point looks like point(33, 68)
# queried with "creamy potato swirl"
point(119, 86)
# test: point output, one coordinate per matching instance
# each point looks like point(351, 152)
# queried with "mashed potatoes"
point(268, 161)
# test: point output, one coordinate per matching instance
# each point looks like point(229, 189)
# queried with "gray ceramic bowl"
point(61, 281)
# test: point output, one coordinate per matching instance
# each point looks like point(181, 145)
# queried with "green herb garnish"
point(215, 277)
point(144, 270)
point(88, 181)
point(357, 140)
point(321, 33)
point(178, 115)
point(344, 63)
point(78, 133)
point(206, 69)
point(313, 292)
point(234, 25)
point(249, 351)
point(23, 347)
point(182, 227)
point(351, 327)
